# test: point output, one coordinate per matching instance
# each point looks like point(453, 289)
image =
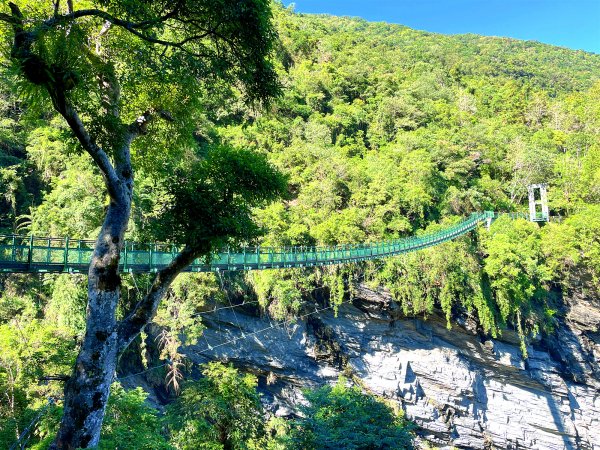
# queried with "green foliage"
point(572, 248)
point(384, 131)
point(15, 171)
point(19, 298)
point(75, 204)
point(48, 147)
point(180, 321)
point(209, 202)
point(447, 276)
point(187, 296)
point(339, 281)
point(130, 422)
point(343, 417)
point(220, 411)
point(280, 290)
point(381, 131)
point(276, 437)
point(29, 351)
point(66, 306)
point(517, 272)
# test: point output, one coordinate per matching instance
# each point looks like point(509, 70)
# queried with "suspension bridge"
point(43, 254)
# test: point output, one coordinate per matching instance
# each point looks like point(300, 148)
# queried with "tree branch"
point(110, 18)
point(16, 17)
point(54, 378)
point(37, 71)
point(103, 32)
point(140, 125)
point(8, 19)
point(98, 155)
point(146, 308)
point(134, 27)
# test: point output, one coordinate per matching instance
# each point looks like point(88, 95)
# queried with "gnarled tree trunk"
point(88, 388)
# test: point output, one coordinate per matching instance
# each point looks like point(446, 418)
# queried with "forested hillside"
point(386, 131)
point(382, 132)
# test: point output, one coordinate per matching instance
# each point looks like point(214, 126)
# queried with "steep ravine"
point(461, 390)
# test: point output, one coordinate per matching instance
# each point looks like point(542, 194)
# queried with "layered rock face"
point(462, 390)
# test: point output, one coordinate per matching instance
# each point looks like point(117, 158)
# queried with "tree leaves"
point(209, 201)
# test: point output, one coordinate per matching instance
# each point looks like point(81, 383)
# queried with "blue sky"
point(567, 23)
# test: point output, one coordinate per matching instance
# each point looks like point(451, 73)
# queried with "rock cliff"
point(461, 389)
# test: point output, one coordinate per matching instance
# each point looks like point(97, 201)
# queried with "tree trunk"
point(88, 388)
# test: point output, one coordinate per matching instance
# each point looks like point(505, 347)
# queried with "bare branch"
point(135, 27)
point(103, 32)
point(109, 17)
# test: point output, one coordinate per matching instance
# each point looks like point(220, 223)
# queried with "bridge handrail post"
point(14, 248)
point(150, 256)
point(30, 254)
point(125, 257)
point(66, 255)
point(48, 252)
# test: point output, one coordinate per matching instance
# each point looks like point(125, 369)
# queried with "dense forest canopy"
point(382, 132)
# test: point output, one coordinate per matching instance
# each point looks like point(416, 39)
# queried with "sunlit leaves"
point(130, 422)
point(344, 417)
point(221, 410)
point(210, 199)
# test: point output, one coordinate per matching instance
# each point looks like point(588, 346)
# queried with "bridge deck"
point(34, 254)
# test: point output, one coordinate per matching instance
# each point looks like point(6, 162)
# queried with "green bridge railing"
point(35, 254)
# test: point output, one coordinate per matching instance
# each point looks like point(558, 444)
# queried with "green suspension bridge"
point(36, 254)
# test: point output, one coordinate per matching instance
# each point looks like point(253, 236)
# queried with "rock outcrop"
point(461, 389)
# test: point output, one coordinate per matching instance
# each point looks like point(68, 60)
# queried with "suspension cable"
point(245, 335)
point(21, 441)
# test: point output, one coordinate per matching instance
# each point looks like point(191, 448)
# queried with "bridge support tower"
point(538, 202)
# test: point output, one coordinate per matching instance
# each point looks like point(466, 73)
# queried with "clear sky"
point(567, 23)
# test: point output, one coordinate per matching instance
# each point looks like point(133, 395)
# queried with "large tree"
point(126, 76)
